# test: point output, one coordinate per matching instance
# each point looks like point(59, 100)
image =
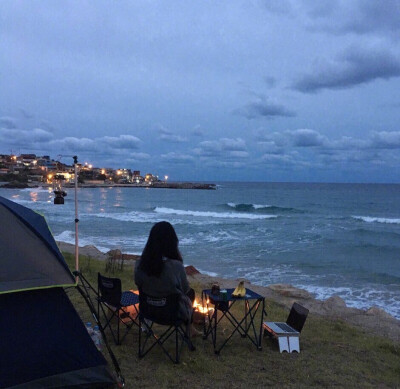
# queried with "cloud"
point(134, 157)
point(385, 140)
point(357, 16)
point(264, 107)
point(177, 157)
point(197, 131)
point(105, 144)
point(168, 136)
point(24, 138)
point(218, 147)
point(25, 114)
point(74, 144)
point(39, 135)
point(7, 122)
point(353, 67)
point(121, 141)
point(303, 137)
point(270, 81)
point(239, 154)
point(270, 147)
point(306, 138)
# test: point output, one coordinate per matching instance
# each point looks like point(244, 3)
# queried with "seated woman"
point(160, 271)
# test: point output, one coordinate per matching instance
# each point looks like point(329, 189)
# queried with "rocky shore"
point(374, 320)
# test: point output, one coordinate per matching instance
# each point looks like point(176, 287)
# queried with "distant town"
point(24, 170)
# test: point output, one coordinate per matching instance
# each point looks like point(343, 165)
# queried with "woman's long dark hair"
point(162, 243)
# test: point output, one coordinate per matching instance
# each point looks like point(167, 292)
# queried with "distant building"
point(27, 159)
point(124, 175)
point(136, 177)
point(150, 178)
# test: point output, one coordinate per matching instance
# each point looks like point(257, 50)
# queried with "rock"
point(191, 270)
point(334, 303)
point(379, 313)
point(287, 290)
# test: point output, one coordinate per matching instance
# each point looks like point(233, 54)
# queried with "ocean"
point(330, 239)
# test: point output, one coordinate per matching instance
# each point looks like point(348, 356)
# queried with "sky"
point(228, 90)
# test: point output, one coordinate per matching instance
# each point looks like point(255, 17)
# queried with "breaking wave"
point(370, 219)
point(209, 214)
point(241, 207)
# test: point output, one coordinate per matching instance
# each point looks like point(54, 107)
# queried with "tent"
point(43, 342)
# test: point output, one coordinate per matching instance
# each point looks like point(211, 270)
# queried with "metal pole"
point(76, 217)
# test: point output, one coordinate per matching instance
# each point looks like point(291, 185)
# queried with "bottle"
point(97, 338)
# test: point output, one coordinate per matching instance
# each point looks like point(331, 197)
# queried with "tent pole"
point(76, 217)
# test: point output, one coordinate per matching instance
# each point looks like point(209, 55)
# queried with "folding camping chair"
point(112, 300)
point(162, 311)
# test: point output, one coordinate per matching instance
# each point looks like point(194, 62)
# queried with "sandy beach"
point(374, 319)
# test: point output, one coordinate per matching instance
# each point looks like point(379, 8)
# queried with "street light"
point(75, 158)
point(166, 178)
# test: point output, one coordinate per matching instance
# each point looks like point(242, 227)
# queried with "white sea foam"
point(370, 219)
point(260, 206)
point(208, 273)
point(223, 215)
point(218, 236)
point(137, 217)
point(187, 241)
point(361, 298)
point(145, 217)
point(69, 237)
point(39, 189)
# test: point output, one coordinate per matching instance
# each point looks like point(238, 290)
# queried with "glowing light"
point(166, 178)
point(198, 307)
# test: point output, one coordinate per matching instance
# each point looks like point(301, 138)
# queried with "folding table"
point(244, 324)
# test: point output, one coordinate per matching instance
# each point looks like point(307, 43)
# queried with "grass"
point(332, 354)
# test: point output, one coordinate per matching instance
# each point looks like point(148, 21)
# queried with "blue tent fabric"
point(42, 336)
point(37, 224)
point(43, 341)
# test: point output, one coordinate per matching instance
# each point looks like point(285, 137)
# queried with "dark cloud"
point(280, 7)
point(385, 140)
point(25, 114)
point(356, 16)
point(293, 138)
point(24, 138)
point(270, 81)
point(355, 66)
point(306, 138)
point(223, 145)
point(121, 141)
point(7, 122)
point(264, 107)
